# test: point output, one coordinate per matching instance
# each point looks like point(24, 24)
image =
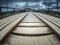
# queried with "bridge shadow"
point(31, 35)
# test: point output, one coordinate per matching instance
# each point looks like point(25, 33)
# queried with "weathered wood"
point(55, 28)
point(31, 18)
point(41, 30)
point(25, 40)
point(31, 25)
point(7, 19)
point(52, 19)
point(8, 28)
point(32, 30)
point(8, 22)
point(27, 35)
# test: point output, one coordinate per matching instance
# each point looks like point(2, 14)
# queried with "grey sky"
point(23, 3)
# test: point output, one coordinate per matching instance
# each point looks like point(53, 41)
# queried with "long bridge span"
point(30, 28)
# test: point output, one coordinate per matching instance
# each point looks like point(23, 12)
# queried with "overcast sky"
point(27, 3)
point(21, 3)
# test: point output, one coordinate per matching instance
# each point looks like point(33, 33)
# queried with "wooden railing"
point(7, 12)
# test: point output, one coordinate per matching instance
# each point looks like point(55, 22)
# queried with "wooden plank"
point(31, 18)
point(31, 24)
point(25, 40)
point(7, 19)
point(5, 22)
point(10, 21)
point(55, 28)
point(54, 20)
point(32, 30)
point(8, 28)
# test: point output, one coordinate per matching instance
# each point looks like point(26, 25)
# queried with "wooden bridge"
point(30, 28)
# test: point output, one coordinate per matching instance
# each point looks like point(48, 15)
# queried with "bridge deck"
point(50, 18)
point(31, 30)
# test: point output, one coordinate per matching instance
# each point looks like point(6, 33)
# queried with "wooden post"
point(7, 6)
point(1, 13)
point(14, 10)
point(48, 9)
point(57, 5)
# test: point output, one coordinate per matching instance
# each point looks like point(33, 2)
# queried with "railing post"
point(57, 4)
point(1, 13)
point(48, 9)
point(7, 6)
point(14, 10)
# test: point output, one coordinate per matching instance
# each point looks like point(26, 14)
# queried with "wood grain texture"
point(25, 40)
